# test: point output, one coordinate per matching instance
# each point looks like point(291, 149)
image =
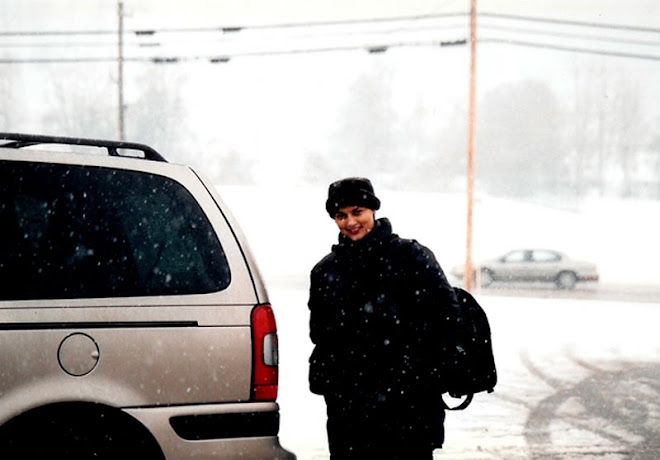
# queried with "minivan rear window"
point(89, 232)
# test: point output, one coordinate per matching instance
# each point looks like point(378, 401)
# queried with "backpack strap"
point(466, 402)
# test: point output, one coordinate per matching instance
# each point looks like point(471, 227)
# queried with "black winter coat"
point(379, 308)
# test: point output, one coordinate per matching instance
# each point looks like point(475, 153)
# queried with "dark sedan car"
point(535, 265)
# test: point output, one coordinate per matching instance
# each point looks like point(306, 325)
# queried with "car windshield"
point(95, 232)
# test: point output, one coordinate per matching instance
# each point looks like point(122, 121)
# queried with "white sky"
point(306, 94)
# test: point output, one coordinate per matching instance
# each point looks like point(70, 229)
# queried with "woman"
point(379, 309)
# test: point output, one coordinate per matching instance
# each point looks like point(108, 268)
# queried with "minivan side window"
point(90, 232)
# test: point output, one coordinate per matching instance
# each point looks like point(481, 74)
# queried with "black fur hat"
point(352, 191)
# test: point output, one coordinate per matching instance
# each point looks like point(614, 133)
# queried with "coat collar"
point(381, 232)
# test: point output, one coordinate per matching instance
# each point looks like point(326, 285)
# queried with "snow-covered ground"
point(561, 364)
point(577, 378)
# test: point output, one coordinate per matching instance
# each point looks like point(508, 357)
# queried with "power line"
point(237, 28)
point(372, 48)
point(569, 35)
point(571, 48)
point(345, 22)
point(571, 22)
point(311, 35)
point(89, 60)
point(370, 39)
point(485, 27)
point(323, 49)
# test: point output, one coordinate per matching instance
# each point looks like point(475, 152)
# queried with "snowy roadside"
point(576, 380)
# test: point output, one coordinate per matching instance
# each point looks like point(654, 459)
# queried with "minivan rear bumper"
point(238, 430)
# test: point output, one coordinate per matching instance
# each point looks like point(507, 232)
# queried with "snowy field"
point(289, 230)
point(577, 378)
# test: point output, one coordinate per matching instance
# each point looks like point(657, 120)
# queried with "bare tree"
point(519, 141)
point(610, 132)
point(367, 138)
point(157, 115)
point(82, 107)
point(7, 91)
point(440, 145)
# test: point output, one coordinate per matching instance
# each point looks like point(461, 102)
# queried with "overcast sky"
point(312, 88)
point(510, 61)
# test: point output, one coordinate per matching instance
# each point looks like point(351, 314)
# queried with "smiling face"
point(355, 222)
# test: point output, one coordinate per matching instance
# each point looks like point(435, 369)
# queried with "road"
point(584, 291)
point(578, 378)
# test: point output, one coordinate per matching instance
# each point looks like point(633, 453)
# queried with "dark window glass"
point(82, 232)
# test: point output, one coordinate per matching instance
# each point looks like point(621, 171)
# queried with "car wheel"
point(566, 280)
point(77, 431)
point(486, 278)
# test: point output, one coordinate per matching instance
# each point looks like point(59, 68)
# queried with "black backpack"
point(470, 368)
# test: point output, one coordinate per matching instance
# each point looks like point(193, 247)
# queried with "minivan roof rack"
point(18, 140)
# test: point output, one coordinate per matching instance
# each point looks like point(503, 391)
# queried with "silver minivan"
point(133, 319)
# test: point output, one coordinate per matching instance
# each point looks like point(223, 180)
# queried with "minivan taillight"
point(264, 354)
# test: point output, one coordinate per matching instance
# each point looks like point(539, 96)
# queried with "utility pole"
point(467, 272)
point(120, 73)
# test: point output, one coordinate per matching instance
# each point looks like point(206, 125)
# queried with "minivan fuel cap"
point(78, 354)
